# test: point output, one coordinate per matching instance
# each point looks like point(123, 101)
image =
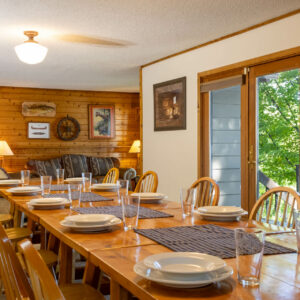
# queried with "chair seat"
point(5, 218)
point(16, 233)
point(49, 257)
point(80, 292)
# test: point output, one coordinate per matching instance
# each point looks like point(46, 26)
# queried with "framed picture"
point(38, 109)
point(101, 121)
point(170, 105)
point(38, 130)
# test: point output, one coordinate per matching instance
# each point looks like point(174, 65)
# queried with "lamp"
point(136, 148)
point(31, 52)
point(4, 151)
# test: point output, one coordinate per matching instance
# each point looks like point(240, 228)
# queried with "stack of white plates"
point(149, 197)
point(221, 213)
point(105, 186)
point(48, 203)
point(183, 269)
point(9, 182)
point(90, 222)
point(25, 190)
point(74, 180)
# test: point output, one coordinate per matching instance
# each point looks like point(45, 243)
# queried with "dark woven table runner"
point(209, 239)
point(85, 197)
point(58, 187)
point(145, 213)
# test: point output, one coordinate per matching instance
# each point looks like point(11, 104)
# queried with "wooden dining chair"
point(208, 192)
point(14, 279)
point(112, 176)
point(147, 183)
point(276, 207)
point(44, 285)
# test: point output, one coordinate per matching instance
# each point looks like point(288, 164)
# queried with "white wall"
point(173, 154)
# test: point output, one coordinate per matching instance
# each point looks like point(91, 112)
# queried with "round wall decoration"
point(68, 129)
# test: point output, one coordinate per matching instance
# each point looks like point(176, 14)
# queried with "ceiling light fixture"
point(31, 52)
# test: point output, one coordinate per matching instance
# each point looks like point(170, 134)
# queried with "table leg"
point(43, 238)
point(91, 274)
point(117, 292)
point(65, 264)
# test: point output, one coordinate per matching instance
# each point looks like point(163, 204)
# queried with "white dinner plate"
point(148, 195)
point(48, 200)
point(9, 182)
point(184, 262)
point(74, 179)
point(222, 210)
point(182, 281)
point(218, 217)
point(47, 206)
point(90, 228)
point(90, 219)
point(24, 190)
point(105, 186)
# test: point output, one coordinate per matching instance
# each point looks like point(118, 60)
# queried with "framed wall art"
point(101, 121)
point(170, 105)
point(38, 109)
point(38, 130)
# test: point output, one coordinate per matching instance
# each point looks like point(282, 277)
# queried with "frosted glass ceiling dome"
point(31, 52)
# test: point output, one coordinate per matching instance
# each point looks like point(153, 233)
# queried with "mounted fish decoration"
point(38, 109)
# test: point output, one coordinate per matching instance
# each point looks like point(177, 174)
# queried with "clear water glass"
point(46, 184)
point(187, 200)
point(130, 211)
point(60, 176)
point(74, 195)
point(249, 245)
point(86, 181)
point(122, 188)
point(296, 213)
point(25, 177)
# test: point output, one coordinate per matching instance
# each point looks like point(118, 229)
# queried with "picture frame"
point(101, 121)
point(170, 105)
point(38, 130)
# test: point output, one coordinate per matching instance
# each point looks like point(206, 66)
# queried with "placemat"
point(144, 213)
point(85, 197)
point(210, 239)
point(58, 187)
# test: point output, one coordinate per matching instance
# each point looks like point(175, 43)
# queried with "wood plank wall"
point(13, 125)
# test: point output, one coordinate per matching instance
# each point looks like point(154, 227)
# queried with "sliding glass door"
point(274, 115)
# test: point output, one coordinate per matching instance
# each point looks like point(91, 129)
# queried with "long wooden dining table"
point(116, 252)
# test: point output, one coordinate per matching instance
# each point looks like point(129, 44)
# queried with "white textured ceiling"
point(150, 29)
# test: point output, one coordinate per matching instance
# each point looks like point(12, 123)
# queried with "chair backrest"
point(112, 176)
point(43, 283)
point(276, 207)
point(15, 281)
point(147, 183)
point(208, 192)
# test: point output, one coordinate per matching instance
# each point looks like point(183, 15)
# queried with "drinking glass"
point(297, 225)
point(130, 211)
point(46, 184)
point(122, 188)
point(86, 181)
point(60, 175)
point(249, 245)
point(187, 199)
point(25, 177)
point(74, 195)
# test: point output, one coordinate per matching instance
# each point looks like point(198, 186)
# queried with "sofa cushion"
point(99, 166)
point(45, 167)
point(74, 165)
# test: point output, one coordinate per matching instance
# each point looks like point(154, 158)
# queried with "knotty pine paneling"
point(13, 125)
